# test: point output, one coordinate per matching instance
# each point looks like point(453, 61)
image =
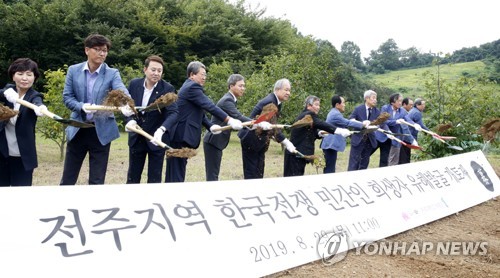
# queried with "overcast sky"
point(429, 25)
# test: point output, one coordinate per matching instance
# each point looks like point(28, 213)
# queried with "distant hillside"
point(410, 82)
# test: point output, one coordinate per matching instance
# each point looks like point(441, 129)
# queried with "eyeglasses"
point(100, 51)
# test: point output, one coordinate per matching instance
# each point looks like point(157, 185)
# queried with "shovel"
point(54, 116)
point(262, 118)
point(437, 137)
point(183, 153)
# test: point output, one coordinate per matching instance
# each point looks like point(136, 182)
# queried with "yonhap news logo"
point(333, 247)
point(418, 248)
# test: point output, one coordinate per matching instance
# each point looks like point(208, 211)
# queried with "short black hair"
point(23, 64)
point(394, 97)
point(96, 40)
point(336, 99)
point(406, 100)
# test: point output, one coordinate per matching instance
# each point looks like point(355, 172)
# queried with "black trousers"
point(254, 162)
point(137, 159)
point(293, 165)
point(12, 172)
point(385, 149)
point(176, 166)
point(404, 155)
point(359, 157)
point(213, 158)
point(85, 141)
point(330, 160)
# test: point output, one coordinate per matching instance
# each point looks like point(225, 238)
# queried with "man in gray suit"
point(88, 83)
point(214, 144)
point(334, 143)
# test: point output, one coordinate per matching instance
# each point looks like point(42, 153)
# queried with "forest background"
point(228, 38)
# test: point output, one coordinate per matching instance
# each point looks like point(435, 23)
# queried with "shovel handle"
point(33, 107)
point(103, 108)
point(139, 130)
point(228, 127)
point(433, 134)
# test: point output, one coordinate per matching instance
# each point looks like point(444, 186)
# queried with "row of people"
point(179, 124)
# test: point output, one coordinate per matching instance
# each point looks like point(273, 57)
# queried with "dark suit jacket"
point(228, 104)
point(257, 142)
point(359, 114)
point(192, 104)
point(25, 129)
point(303, 138)
point(394, 127)
point(151, 121)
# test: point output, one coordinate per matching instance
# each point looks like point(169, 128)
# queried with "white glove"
point(264, 125)
point(417, 127)
point(366, 123)
point(342, 131)
point(414, 143)
point(235, 123)
point(390, 136)
point(288, 145)
point(85, 108)
point(131, 123)
point(399, 121)
point(322, 133)
point(11, 95)
point(127, 110)
point(214, 130)
point(38, 110)
point(158, 135)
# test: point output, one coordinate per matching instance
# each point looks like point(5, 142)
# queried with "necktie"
point(369, 113)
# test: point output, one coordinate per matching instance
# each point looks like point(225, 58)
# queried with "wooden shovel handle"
point(139, 130)
point(103, 108)
point(228, 127)
point(433, 134)
point(33, 107)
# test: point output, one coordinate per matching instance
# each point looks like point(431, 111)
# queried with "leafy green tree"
point(351, 55)
point(49, 128)
point(466, 104)
point(386, 57)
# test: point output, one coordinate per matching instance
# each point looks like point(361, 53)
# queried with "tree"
point(386, 57)
point(467, 103)
point(351, 55)
point(49, 128)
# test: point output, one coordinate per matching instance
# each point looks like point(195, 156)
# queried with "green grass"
point(411, 81)
point(49, 169)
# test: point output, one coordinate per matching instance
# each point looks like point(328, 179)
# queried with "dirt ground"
point(479, 223)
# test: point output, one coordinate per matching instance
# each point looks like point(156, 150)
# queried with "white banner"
point(244, 228)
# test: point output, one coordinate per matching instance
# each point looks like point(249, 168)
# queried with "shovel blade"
point(73, 123)
point(457, 148)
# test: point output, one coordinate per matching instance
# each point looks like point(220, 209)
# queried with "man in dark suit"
point(192, 104)
point(88, 83)
point(396, 112)
point(214, 144)
point(303, 138)
point(362, 145)
point(254, 143)
point(145, 91)
point(405, 153)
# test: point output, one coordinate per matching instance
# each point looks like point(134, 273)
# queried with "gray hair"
point(233, 79)
point(310, 100)
point(369, 93)
point(281, 83)
point(194, 67)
